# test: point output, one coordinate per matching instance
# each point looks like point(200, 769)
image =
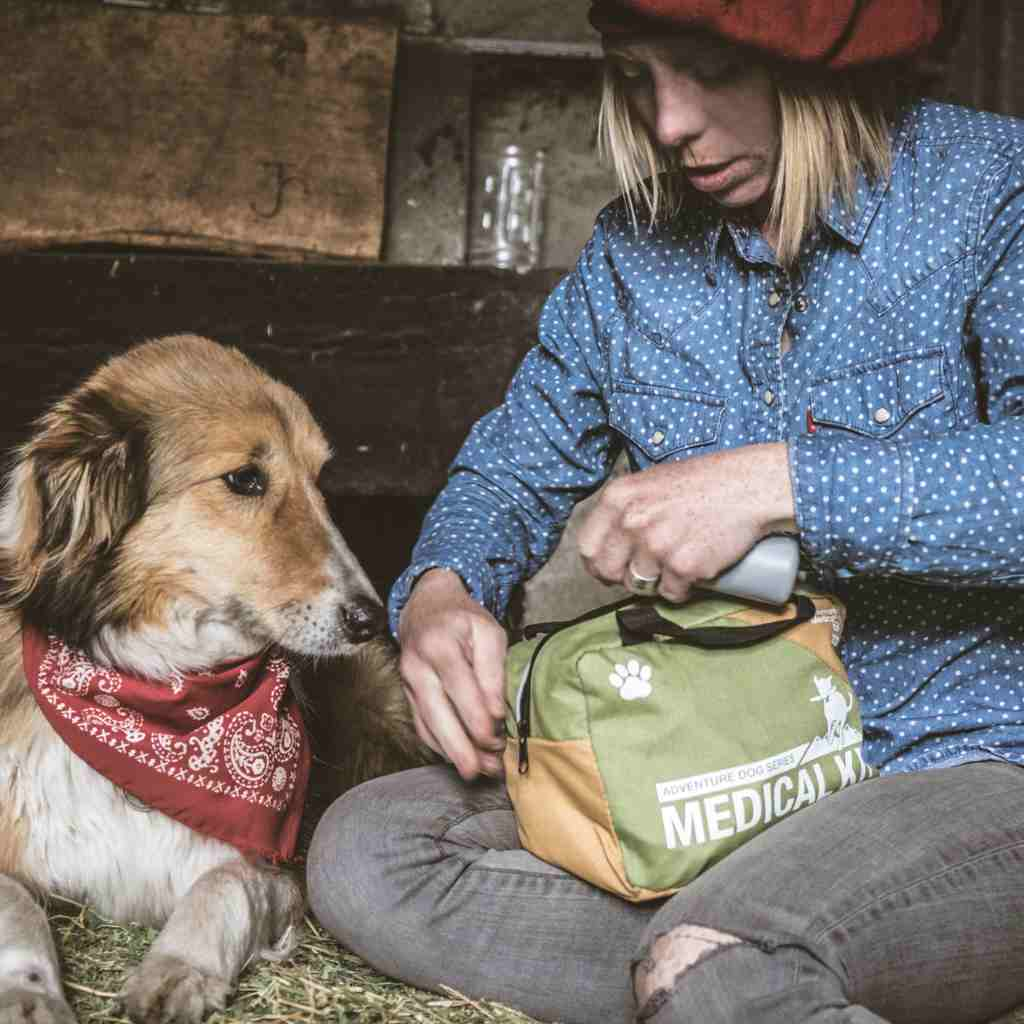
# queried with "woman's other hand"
point(684, 522)
point(453, 666)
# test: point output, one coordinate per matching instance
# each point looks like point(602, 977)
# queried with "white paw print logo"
point(632, 680)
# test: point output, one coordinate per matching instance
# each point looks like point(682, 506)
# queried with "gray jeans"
point(901, 899)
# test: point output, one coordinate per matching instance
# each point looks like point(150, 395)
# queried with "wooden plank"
point(244, 134)
point(526, 20)
point(397, 363)
point(968, 71)
point(1011, 79)
point(982, 70)
point(429, 155)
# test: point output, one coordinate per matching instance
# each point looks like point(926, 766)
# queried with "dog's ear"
point(76, 487)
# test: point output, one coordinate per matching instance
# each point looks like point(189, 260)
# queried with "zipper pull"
point(523, 728)
point(811, 425)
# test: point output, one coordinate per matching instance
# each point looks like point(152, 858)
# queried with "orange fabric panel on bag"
point(563, 815)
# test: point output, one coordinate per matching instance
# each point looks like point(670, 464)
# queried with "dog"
point(163, 522)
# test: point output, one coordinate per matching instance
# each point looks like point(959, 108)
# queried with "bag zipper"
point(549, 629)
point(522, 696)
point(804, 613)
point(523, 706)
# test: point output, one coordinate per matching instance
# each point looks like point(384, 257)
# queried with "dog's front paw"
point(23, 1006)
point(167, 990)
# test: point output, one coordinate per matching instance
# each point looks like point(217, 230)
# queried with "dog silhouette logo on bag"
point(715, 805)
point(836, 709)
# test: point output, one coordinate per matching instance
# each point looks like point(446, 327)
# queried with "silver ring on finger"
point(643, 586)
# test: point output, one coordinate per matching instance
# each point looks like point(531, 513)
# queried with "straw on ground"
point(321, 984)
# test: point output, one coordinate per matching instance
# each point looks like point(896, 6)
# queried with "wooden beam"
point(396, 362)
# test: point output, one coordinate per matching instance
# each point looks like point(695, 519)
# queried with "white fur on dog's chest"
point(88, 840)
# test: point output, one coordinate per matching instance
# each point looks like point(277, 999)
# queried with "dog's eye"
point(249, 481)
point(327, 470)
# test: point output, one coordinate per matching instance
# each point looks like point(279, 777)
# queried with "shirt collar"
point(852, 222)
point(849, 222)
point(712, 237)
point(749, 244)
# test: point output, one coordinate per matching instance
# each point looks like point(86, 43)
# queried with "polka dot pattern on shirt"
point(900, 400)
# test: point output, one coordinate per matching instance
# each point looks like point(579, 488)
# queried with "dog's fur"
point(122, 530)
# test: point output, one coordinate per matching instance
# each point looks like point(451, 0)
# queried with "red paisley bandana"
point(225, 754)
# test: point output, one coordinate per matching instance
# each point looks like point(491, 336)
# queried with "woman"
point(807, 313)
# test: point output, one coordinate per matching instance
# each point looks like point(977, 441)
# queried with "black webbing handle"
point(642, 622)
point(541, 628)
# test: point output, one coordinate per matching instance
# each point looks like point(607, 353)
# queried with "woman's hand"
point(453, 665)
point(684, 522)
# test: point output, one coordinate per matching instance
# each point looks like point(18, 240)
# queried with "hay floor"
point(322, 983)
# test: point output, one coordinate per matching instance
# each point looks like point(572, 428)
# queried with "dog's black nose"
point(364, 620)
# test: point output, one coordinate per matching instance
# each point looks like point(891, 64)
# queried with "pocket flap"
point(876, 399)
point(660, 424)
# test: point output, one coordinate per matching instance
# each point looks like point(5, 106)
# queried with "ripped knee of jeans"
point(669, 957)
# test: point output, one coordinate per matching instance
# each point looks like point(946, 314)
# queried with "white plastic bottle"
point(767, 572)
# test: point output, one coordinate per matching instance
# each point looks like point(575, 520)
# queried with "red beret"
point(836, 33)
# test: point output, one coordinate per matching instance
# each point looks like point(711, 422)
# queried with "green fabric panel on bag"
point(712, 713)
point(562, 715)
point(697, 749)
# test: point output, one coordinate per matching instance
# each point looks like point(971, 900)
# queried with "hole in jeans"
point(669, 957)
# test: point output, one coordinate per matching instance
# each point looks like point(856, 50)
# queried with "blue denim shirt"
point(899, 399)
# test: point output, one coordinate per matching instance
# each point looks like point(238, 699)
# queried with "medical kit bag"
point(647, 740)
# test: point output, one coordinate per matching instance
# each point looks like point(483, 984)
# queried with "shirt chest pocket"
point(902, 394)
point(657, 423)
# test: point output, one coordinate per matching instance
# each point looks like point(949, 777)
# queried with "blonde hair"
point(829, 130)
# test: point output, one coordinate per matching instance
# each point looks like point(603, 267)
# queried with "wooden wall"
point(985, 69)
point(396, 360)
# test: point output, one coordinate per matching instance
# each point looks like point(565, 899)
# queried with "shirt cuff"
point(478, 581)
point(853, 501)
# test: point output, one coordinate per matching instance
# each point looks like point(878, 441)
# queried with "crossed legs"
point(896, 900)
